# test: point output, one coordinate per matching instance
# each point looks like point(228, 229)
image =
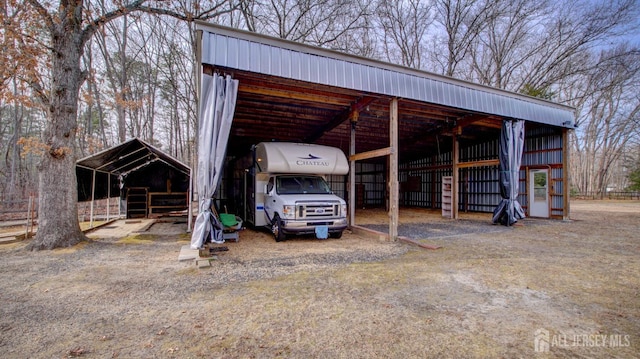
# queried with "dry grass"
point(480, 296)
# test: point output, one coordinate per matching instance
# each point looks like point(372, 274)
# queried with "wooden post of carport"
point(565, 174)
point(352, 173)
point(455, 177)
point(392, 152)
point(394, 211)
point(93, 196)
point(108, 196)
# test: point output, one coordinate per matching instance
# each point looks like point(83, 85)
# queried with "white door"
point(539, 193)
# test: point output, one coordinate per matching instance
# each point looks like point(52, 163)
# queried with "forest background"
point(139, 78)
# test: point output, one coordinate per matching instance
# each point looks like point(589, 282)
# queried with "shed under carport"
point(403, 129)
point(148, 181)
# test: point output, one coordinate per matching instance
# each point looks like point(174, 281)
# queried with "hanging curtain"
point(511, 144)
point(217, 105)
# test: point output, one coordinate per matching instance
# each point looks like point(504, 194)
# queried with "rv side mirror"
point(269, 186)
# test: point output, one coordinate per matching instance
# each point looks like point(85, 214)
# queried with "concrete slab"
point(186, 253)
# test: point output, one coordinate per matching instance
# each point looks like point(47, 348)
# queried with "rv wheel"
point(276, 228)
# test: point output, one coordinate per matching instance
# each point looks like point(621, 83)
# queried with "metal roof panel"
point(222, 46)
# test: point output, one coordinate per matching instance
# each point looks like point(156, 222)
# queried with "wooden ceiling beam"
point(290, 95)
point(347, 114)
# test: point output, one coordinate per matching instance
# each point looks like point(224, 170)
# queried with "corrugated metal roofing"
point(237, 49)
point(129, 156)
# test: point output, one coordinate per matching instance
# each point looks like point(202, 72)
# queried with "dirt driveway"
point(541, 289)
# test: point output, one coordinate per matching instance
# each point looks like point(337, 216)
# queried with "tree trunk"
point(58, 224)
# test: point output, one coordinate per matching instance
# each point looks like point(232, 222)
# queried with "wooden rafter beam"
point(479, 120)
point(371, 154)
point(291, 95)
point(348, 114)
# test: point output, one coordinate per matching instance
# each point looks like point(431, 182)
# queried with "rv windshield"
point(302, 185)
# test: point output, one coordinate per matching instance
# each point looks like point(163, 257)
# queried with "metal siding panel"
point(423, 88)
point(432, 91)
point(276, 61)
point(492, 102)
point(465, 100)
point(486, 102)
point(497, 100)
point(425, 91)
point(243, 55)
point(443, 93)
point(304, 68)
point(415, 88)
point(316, 69)
point(378, 79)
point(340, 77)
point(459, 98)
point(285, 65)
point(477, 103)
point(366, 79)
point(371, 84)
point(313, 68)
point(331, 72)
point(265, 59)
point(509, 110)
point(477, 100)
point(220, 52)
point(296, 65)
point(437, 92)
point(447, 94)
point(396, 88)
point(205, 47)
point(232, 52)
point(254, 57)
point(332, 68)
point(353, 75)
point(323, 74)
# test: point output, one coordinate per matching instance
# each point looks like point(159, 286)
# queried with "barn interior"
point(272, 108)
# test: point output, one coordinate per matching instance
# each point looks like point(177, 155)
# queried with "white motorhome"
point(286, 189)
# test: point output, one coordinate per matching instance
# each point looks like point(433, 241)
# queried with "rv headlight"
point(343, 210)
point(289, 212)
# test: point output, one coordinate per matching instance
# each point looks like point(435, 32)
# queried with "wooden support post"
point(394, 213)
point(108, 196)
point(93, 197)
point(352, 176)
point(566, 190)
point(190, 202)
point(455, 175)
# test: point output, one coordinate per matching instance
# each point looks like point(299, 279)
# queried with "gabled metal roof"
point(128, 157)
point(246, 51)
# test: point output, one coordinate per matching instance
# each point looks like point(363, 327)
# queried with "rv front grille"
point(317, 210)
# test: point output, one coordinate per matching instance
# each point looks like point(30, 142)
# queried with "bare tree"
point(60, 32)
point(463, 21)
point(405, 26)
point(609, 119)
point(316, 22)
point(537, 44)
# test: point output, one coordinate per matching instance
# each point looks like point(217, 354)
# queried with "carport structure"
point(403, 127)
point(149, 181)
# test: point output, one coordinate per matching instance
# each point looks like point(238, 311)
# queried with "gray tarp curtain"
point(217, 105)
point(511, 144)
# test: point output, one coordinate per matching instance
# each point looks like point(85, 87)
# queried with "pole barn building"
point(413, 138)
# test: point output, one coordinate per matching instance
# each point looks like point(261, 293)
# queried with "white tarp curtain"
point(511, 144)
point(217, 105)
